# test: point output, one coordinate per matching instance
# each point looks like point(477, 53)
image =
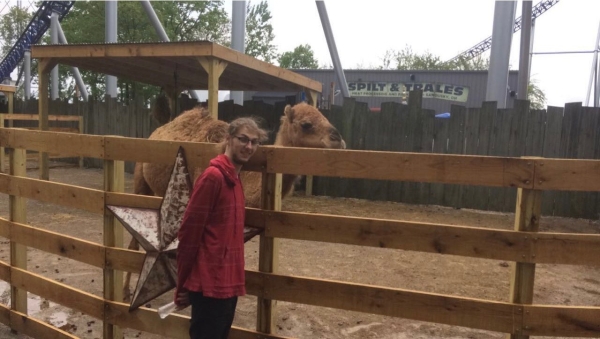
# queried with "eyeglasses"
point(245, 140)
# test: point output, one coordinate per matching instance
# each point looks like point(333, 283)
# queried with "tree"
point(182, 21)
point(408, 60)
point(302, 57)
point(535, 95)
point(12, 25)
point(259, 32)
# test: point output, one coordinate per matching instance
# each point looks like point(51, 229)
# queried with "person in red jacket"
point(210, 254)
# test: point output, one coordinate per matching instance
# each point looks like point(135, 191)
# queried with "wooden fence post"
point(10, 94)
point(268, 250)
point(309, 178)
point(43, 107)
point(2, 150)
point(114, 181)
point(527, 219)
point(80, 127)
point(18, 213)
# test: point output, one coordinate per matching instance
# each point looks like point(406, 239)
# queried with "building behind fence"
point(570, 132)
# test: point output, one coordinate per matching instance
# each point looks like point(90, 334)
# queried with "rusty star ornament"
point(156, 231)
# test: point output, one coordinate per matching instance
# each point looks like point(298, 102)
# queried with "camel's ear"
point(289, 113)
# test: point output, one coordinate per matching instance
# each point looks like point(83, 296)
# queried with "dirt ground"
point(453, 275)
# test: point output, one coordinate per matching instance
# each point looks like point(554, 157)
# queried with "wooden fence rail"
point(34, 118)
point(524, 245)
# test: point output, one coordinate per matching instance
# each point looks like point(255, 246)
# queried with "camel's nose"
point(335, 136)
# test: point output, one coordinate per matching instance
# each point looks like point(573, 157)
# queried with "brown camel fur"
point(300, 126)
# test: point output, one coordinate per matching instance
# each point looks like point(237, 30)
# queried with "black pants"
point(211, 318)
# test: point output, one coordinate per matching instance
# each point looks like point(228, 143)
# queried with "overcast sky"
point(364, 30)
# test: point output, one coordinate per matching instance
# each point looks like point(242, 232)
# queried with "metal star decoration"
point(156, 231)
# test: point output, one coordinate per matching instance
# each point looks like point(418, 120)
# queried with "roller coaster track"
point(486, 44)
point(36, 28)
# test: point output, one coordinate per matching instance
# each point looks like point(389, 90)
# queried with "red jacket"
point(210, 254)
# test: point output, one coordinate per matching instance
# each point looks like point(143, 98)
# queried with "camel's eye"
point(306, 126)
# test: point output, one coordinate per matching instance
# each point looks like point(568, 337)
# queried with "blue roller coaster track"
point(36, 28)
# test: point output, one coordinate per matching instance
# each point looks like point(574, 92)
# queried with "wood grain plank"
point(452, 169)
point(35, 328)
point(60, 194)
point(36, 117)
point(567, 175)
point(442, 309)
point(72, 144)
point(561, 321)
point(164, 152)
point(58, 293)
point(55, 243)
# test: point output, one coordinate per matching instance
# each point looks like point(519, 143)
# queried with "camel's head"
point(305, 126)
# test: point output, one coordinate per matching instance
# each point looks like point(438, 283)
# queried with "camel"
point(301, 125)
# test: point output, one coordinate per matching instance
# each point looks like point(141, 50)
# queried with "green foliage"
point(182, 21)
point(12, 25)
point(535, 95)
point(302, 57)
point(259, 32)
point(406, 59)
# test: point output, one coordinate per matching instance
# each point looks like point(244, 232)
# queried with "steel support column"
point(75, 70)
point(54, 39)
point(497, 82)
point(27, 71)
point(337, 65)
point(162, 34)
point(110, 19)
point(594, 73)
point(238, 33)
point(525, 51)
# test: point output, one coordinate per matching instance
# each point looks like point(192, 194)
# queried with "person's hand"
point(182, 298)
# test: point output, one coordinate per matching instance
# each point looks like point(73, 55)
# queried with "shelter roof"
point(7, 88)
point(176, 64)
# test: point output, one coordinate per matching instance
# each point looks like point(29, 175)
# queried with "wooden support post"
point(2, 150)
point(80, 127)
point(9, 91)
point(309, 185)
point(11, 107)
point(172, 96)
point(114, 181)
point(214, 67)
point(312, 97)
point(268, 250)
point(18, 213)
point(309, 178)
point(44, 67)
point(527, 219)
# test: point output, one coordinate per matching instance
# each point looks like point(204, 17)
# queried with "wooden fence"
point(572, 132)
point(524, 245)
point(76, 123)
point(569, 133)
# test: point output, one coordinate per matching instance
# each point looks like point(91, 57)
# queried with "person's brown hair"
point(250, 123)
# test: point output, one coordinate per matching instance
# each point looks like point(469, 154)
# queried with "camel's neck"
point(288, 180)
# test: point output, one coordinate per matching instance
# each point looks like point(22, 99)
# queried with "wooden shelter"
point(175, 66)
